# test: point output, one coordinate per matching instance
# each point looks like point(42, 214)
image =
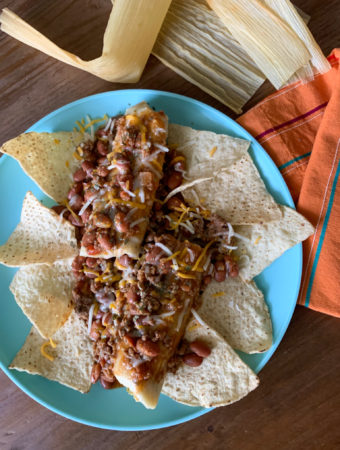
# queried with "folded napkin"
point(299, 126)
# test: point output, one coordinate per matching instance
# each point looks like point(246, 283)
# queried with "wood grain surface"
point(297, 405)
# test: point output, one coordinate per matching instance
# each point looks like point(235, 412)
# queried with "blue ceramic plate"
point(116, 409)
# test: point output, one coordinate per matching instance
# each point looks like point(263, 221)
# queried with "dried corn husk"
point(318, 62)
point(128, 40)
point(194, 43)
point(270, 42)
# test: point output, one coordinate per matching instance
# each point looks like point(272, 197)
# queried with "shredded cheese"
point(128, 203)
point(257, 240)
point(176, 160)
point(218, 294)
point(71, 210)
point(76, 156)
point(212, 151)
point(181, 316)
point(57, 141)
point(81, 128)
point(172, 256)
point(44, 353)
point(52, 343)
point(67, 164)
point(197, 317)
point(164, 248)
point(186, 275)
point(89, 324)
point(200, 258)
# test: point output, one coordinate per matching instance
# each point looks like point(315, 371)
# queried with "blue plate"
point(115, 409)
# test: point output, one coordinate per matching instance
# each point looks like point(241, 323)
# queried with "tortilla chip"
point(44, 294)
point(268, 241)
point(209, 150)
point(73, 356)
point(47, 158)
point(41, 237)
point(221, 379)
point(237, 194)
point(240, 314)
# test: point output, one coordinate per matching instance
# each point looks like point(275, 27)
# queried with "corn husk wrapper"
point(128, 40)
point(318, 62)
point(194, 43)
point(270, 42)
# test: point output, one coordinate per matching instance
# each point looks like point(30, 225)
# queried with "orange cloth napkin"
point(299, 126)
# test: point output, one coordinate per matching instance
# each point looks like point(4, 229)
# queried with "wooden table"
point(297, 405)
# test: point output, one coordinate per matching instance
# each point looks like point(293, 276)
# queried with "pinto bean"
point(130, 340)
point(174, 202)
point(76, 202)
point(79, 175)
point(220, 271)
point(75, 189)
point(200, 348)
point(192, 360)
point(104, 241)
point(101, 220)
point(148, 348)
point(76, 221)
point(107, 319)
point(103, 171)
point(91, 262)
point(153, 255)
point(85, 217)
point(174, 180)
point(95, 331)
point(231, 266)
point(95, 373)
point(132, 296)
point(121, 223)
point(125, 261)
point(88, 238)
point(102, 148)
point(92, 250)
point(88, 167)
point(77, 263)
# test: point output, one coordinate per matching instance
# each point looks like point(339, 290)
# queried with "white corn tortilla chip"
point(44, 294)
point(221, 379)
point(73, 356)
point(240, 315)
point(41, 237)
point(196, 146)
point(47, 158)
point(266, 242)
point(236, 193)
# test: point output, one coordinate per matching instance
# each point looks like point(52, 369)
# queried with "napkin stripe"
point(322, 235)
point(292, 161)
point(291, 121)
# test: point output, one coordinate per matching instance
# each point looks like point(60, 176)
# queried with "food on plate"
point(236, 193)
point(44, 293)
point(148, 234)
point(157, 301)
point(205, 152)
point(238, 312)
point(48, 158)
point(66, 357)
point(114, 189)
point(221, 379)
point(42, 237)
point(263, 243)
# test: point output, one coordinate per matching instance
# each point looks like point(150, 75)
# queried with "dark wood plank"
point(297, 405)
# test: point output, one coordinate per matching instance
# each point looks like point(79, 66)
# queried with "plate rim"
point(283, 327)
